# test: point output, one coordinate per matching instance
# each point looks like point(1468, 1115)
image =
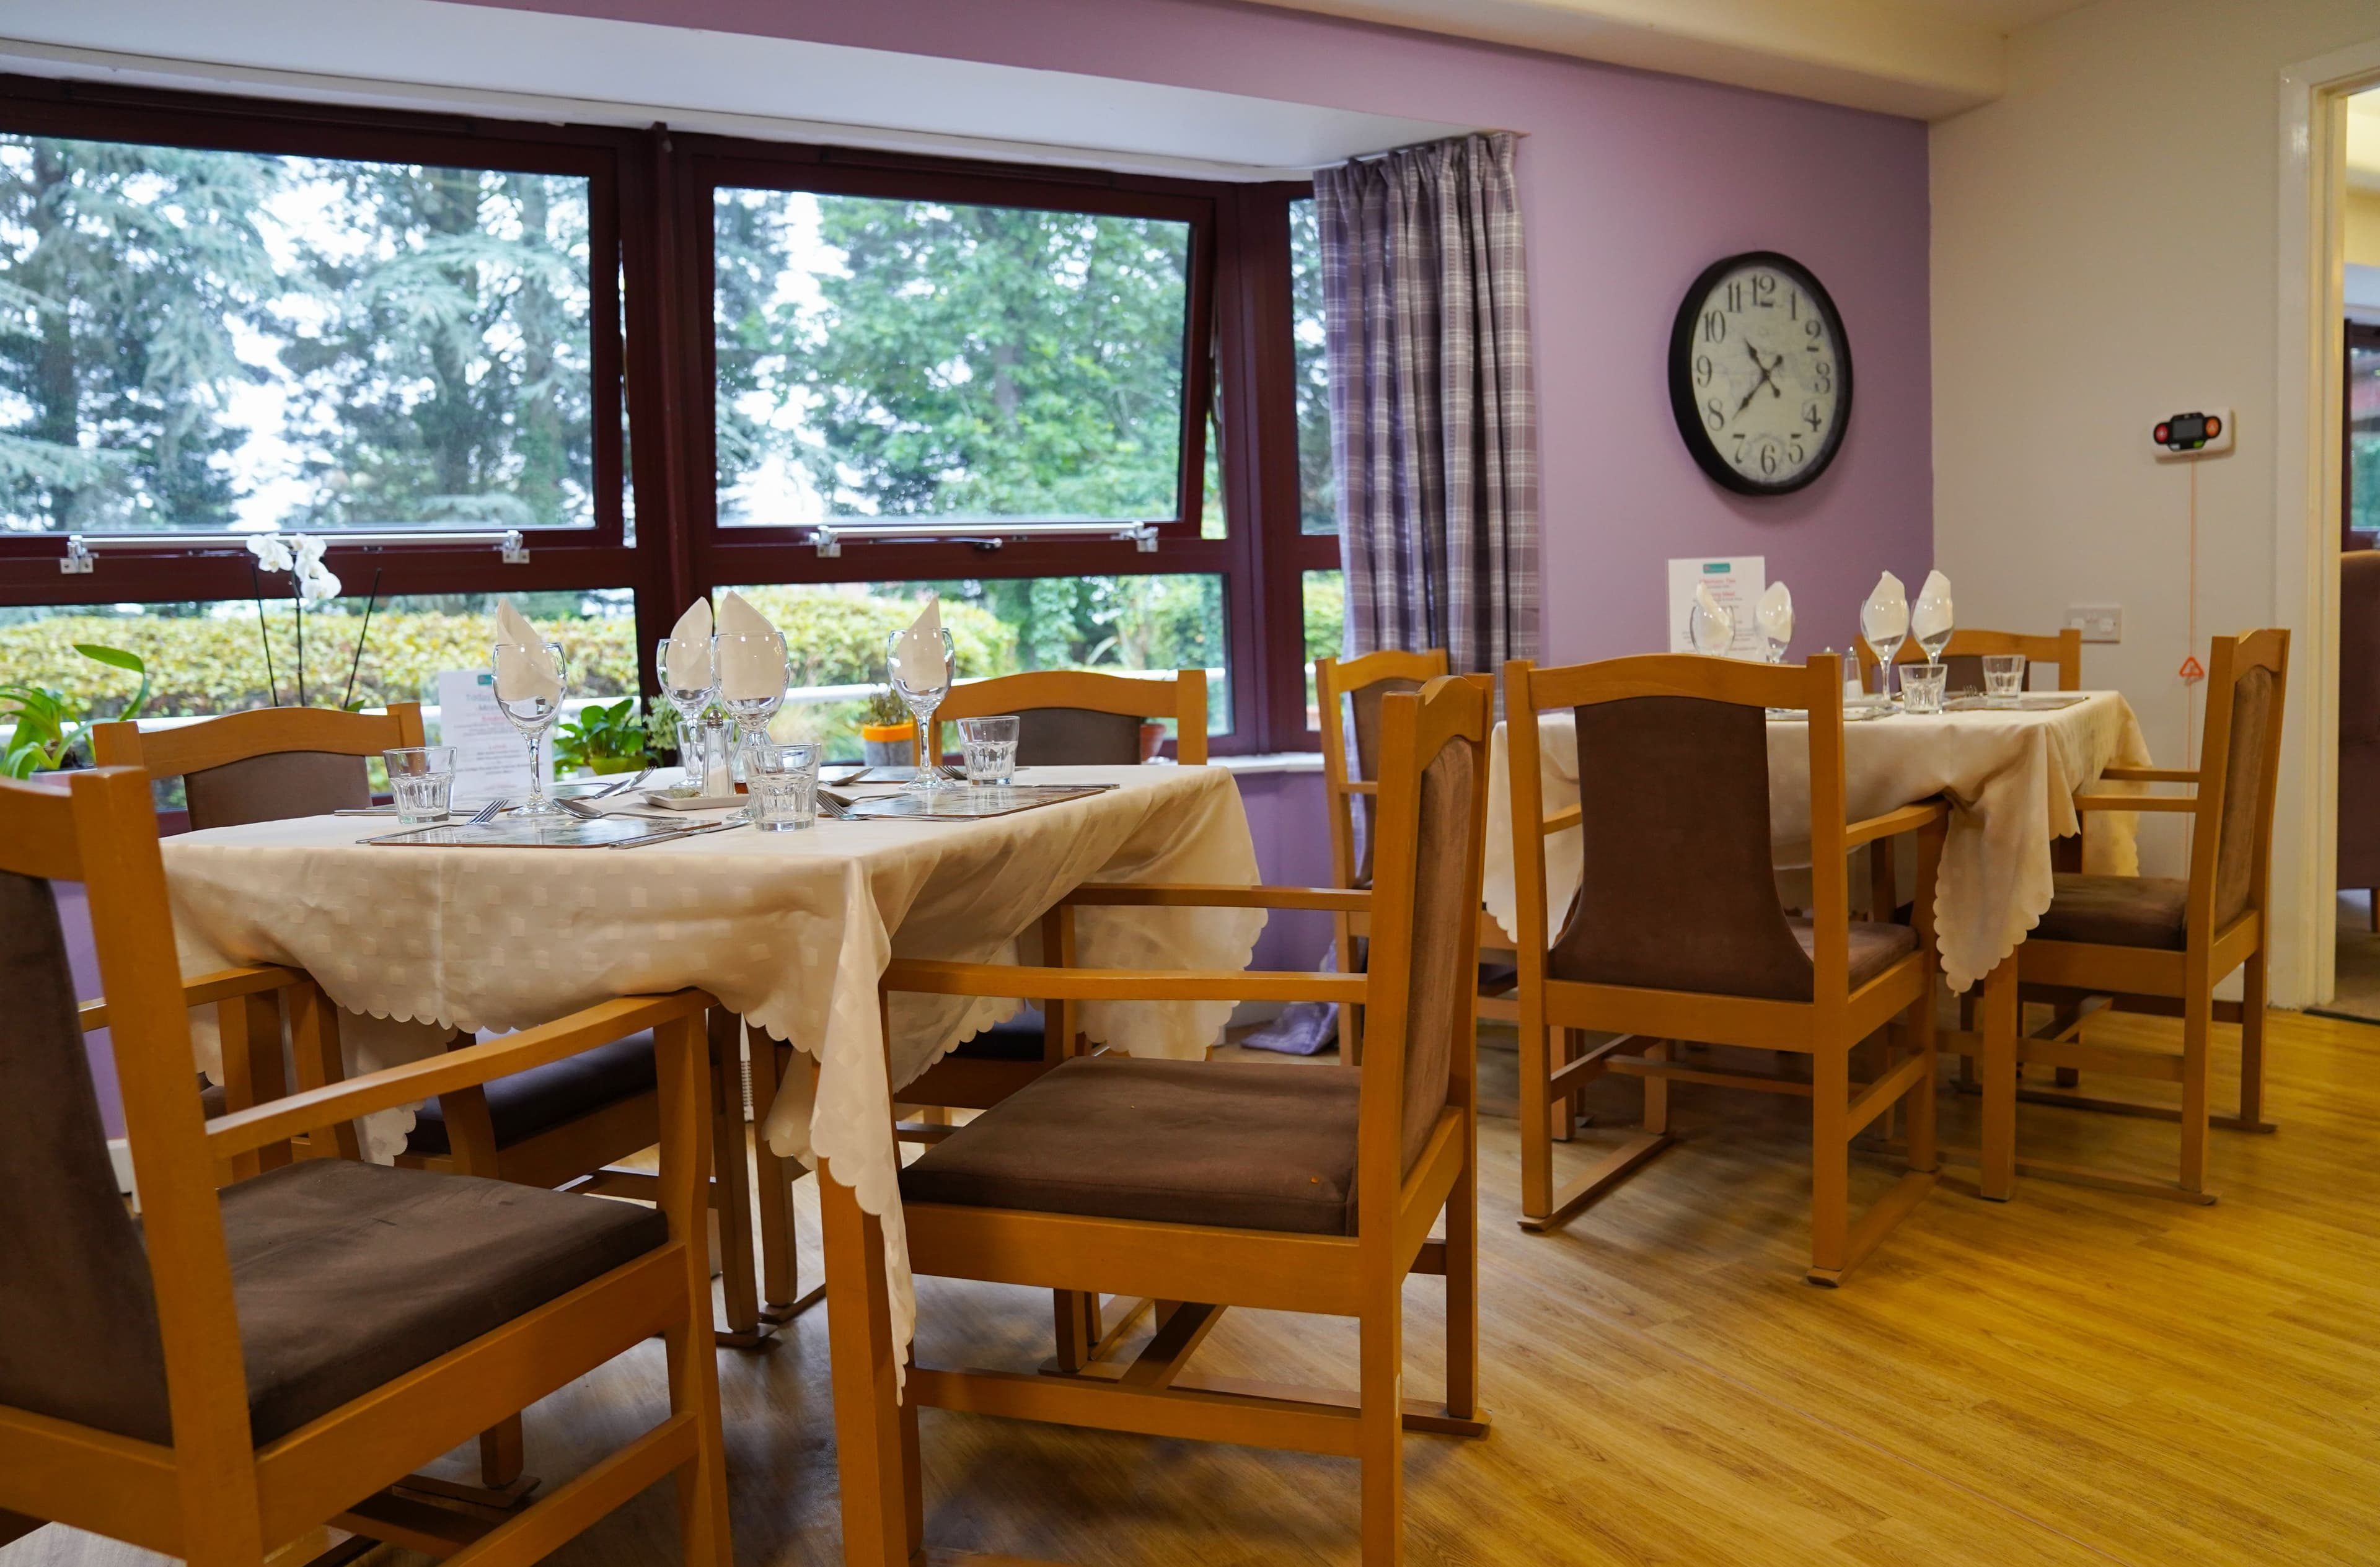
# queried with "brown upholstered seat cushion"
point(1876, 946)
point(1178, 1142)
point(347, 1275)
point(2150, 911)
point(545, 1097)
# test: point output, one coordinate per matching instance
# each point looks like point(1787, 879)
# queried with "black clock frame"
point(1706, 453)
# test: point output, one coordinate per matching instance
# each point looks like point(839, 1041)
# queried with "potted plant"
point(602, 740)
point(49, 725)
point(888, 733)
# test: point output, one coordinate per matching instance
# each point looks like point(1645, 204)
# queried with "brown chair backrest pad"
point(79, 1337)
point(2243, 793)
point(1366, 701)
point(1678, 890)
point(1445, 923)
point(1077, 737)
point(276, 787)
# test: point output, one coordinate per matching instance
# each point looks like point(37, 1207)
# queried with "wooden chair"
point(566, 1123)
point(2158, 944)
point(1964, 655)
point(1678, 935)
point(1350, 785)
point(244, 1367)
point(1273, 1186)
point(1071, 716)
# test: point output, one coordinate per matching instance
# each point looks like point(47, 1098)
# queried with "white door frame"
point(2307, 499)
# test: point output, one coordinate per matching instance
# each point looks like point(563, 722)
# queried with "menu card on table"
point(1736, 582)
point(491, 756)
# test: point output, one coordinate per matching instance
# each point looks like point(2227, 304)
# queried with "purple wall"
point(1293, 849)
point(1631, 185)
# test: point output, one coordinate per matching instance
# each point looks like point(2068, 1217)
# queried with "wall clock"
point(1760, 373)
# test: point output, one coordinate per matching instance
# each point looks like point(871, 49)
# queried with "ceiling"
point(524, 64)
point(1928, 59)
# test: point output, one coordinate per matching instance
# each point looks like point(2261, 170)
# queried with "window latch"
point(514, 552)
point(79, 558)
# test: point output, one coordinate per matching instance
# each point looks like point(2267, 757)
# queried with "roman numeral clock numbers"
point(1760, 374)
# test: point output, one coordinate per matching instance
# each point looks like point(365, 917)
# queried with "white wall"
point(2104, 252)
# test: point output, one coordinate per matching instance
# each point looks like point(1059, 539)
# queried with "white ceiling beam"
point(1886, 56)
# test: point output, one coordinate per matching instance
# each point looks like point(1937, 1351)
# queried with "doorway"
point(2356, 987)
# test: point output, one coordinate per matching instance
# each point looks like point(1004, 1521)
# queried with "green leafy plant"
point(49, 724)
point(885, 709)
point(604, 740)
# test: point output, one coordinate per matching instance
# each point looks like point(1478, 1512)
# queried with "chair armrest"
point(1211, 895)
point(2150, 775)
point(599, 1024)
point(1558, 821)
point(2172, 802)
point(1362, 785)
point(221, 985)
point(927, 978)
point(1892, 823)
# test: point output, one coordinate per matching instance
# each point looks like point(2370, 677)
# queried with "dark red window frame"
point(650, 211)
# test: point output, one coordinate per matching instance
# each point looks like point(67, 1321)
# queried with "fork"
point(622, 784)
point(487, 813)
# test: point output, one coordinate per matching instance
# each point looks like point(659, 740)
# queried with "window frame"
point(649, 214)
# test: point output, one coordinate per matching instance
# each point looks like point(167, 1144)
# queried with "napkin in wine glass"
point(1711, 625)
point(1933, 615)
point(748, 670)
point(917, 660)
point(1775, 614)
point(1885, 618)
point(525, 671)
point(690, 638)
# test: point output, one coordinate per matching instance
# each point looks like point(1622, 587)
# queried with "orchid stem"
point(348, 695)
point(265, 634)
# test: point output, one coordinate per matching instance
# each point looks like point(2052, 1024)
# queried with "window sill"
point(1270, 762)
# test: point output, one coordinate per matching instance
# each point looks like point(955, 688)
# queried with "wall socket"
point(2097, 623)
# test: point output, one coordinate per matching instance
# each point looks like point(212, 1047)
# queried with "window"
point(1086, 407)
point(2361, 492)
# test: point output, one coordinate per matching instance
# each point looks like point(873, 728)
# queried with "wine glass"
point(1775, 617)
point(923, 690)
point(753, 672)
point(1710, 625)
point(690, 682)
point(531, 702)
point(1931, 620)
point(1884, 620)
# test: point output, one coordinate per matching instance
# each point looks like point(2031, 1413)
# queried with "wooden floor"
point(2075, 1376)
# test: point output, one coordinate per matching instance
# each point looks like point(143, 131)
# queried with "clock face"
point(1760, 374)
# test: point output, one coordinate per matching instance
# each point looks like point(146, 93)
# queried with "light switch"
point(2097, 623)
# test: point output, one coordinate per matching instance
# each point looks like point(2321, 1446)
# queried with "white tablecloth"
point(2010, 777)
point(792, 930)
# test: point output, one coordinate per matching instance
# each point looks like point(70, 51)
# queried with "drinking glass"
point(1920, 687)
point(690, 685)
point(2004, 676)
point(1885, 631)
point(783, 783)
point(532, 712)
point(990, 747)
point(750, 703)
point(1710, 627)
point(922, 699)
point(422, 778)
point(1932, 614)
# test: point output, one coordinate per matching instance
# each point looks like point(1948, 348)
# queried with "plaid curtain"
point(1433, 417)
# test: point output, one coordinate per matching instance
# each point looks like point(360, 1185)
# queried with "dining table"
point(2009, 771)
point(790, 931)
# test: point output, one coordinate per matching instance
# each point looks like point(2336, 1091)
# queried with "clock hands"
point(1766, 368)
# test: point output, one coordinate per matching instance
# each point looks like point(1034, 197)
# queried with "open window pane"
point(199, 339)
point(925, 359)
point(2363, 438)
point(1325, 622)
point(835, 634)
point(1317, 492)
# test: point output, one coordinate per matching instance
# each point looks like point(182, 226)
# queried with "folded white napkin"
point(1776, 613)
point(525, 671)
point(917, 660)
point(690, 642)
point(750, 667)
point(1713, 629)
point(1933, 615)
point(1885, 617)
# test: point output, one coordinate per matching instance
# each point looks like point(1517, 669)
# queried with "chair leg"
point(1351, 1018)
point(502, 1454)
point(1462, 1290)
point(1831, 1153)
point(1656, 1090)
point(731, 1171)
point(2252, 1046)
point(1924, 1154)
point(1561, 1120)
point(1380, 1443)
point(2197, 1026)
point(780, 1265)
point(1998, 1154)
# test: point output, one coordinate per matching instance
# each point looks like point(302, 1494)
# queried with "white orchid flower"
point(316, 585)
point(271, 551)
point(305, 551)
